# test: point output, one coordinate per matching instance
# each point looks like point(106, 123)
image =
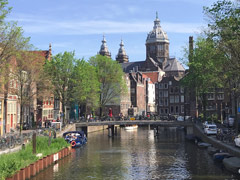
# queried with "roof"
point(154, 76)
point(146, 77)
point(127, 67)
point(173, 65)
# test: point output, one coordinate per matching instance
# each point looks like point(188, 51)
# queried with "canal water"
point(137, 154)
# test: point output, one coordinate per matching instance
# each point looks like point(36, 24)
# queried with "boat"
point(75, 138)
point(203, 145)
point(131, 127)
point(212, 150)
point(220, 156)
point(232, 164)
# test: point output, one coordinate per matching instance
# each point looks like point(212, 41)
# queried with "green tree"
point(224, 29)
point(86, 86)
point(204, 70)
point(25, 75)
point(110, 76)
point(60, 71)
point(12, 42)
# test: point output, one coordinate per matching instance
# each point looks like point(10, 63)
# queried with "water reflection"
point(137, 155)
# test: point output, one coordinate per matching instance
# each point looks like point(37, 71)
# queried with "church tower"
point(122, 57)
point(157, 44)
point(104, 49)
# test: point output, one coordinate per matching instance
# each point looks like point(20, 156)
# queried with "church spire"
point(157, 21)
point(104, 49)
point(122, 56)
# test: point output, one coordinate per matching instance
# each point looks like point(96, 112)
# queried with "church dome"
point(121, 50)
point(104, 49)
point(157, 34)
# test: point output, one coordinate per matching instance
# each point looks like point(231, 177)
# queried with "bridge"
point(85, 126)
point(137, 122)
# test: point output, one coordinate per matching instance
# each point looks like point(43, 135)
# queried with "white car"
point(210, 129)
point(237, 141)
point(180, 118)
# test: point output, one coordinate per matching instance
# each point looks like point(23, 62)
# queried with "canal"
point(137, 154)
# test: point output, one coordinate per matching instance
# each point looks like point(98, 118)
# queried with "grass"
point(10, 163)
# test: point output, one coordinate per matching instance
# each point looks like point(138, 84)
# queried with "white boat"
point(131, 127)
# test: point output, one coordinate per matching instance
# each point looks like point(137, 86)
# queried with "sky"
point(79, 25)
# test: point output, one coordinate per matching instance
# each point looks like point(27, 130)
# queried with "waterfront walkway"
point(211, 139)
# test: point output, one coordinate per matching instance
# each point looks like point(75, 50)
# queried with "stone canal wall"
point(230, 148)
point(96, 128)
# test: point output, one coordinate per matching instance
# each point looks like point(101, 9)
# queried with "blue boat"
point(220, 156)
point(75, 138)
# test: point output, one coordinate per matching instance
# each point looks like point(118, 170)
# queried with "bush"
point(10, 163)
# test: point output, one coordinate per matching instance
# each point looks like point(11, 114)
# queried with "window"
point(176, 99)
point(182, 98)
point(170, 83)
point(160, 86)
point(182, 89)
point(160, 102)
point(177, 110)
point(182, 108)
point(166, 111)
point(210, 96)
point(160, 47)
point(165, 94)
point(172, 110)
point(176, 89)
point(161, 110)
point(166, 102)
point(160, 94)
point(171, 99)
point(220, 96)
point(165, 86)
point(171, 90)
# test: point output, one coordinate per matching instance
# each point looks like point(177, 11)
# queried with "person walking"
point(110, 113)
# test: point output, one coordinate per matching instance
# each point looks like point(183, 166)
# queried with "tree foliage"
point(60, 70)
point(224, 29)
point(110, 76)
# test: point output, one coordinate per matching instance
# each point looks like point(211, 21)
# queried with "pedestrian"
point(45, 124)
point(110, 113)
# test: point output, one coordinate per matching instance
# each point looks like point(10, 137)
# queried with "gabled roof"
point(154, 76)
point(173, 65)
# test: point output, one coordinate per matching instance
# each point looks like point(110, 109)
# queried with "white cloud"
point(35, 25)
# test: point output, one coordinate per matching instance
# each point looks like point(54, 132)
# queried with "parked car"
point(210, 129)
point(180, 118)
point(237, 140)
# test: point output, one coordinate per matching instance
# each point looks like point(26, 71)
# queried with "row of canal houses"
point(36, 112)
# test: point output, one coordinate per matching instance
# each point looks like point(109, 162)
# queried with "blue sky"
point(79, 24)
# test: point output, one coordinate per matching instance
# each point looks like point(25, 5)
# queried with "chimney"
point(190, 48)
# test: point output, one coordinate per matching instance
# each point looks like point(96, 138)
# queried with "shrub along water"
point(10, 163)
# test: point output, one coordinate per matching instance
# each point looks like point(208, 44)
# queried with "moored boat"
point(232, 164)
point(203, 145)
point(220, 156)
point(212, 150)
point(131, 127)
point(75, 138)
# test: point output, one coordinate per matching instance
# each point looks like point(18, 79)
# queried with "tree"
point(85, 85)
point(110, 76)
point(60, 71)
point(224, 29)
point(11, 42)
point(204, 70)
point(26, 68)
